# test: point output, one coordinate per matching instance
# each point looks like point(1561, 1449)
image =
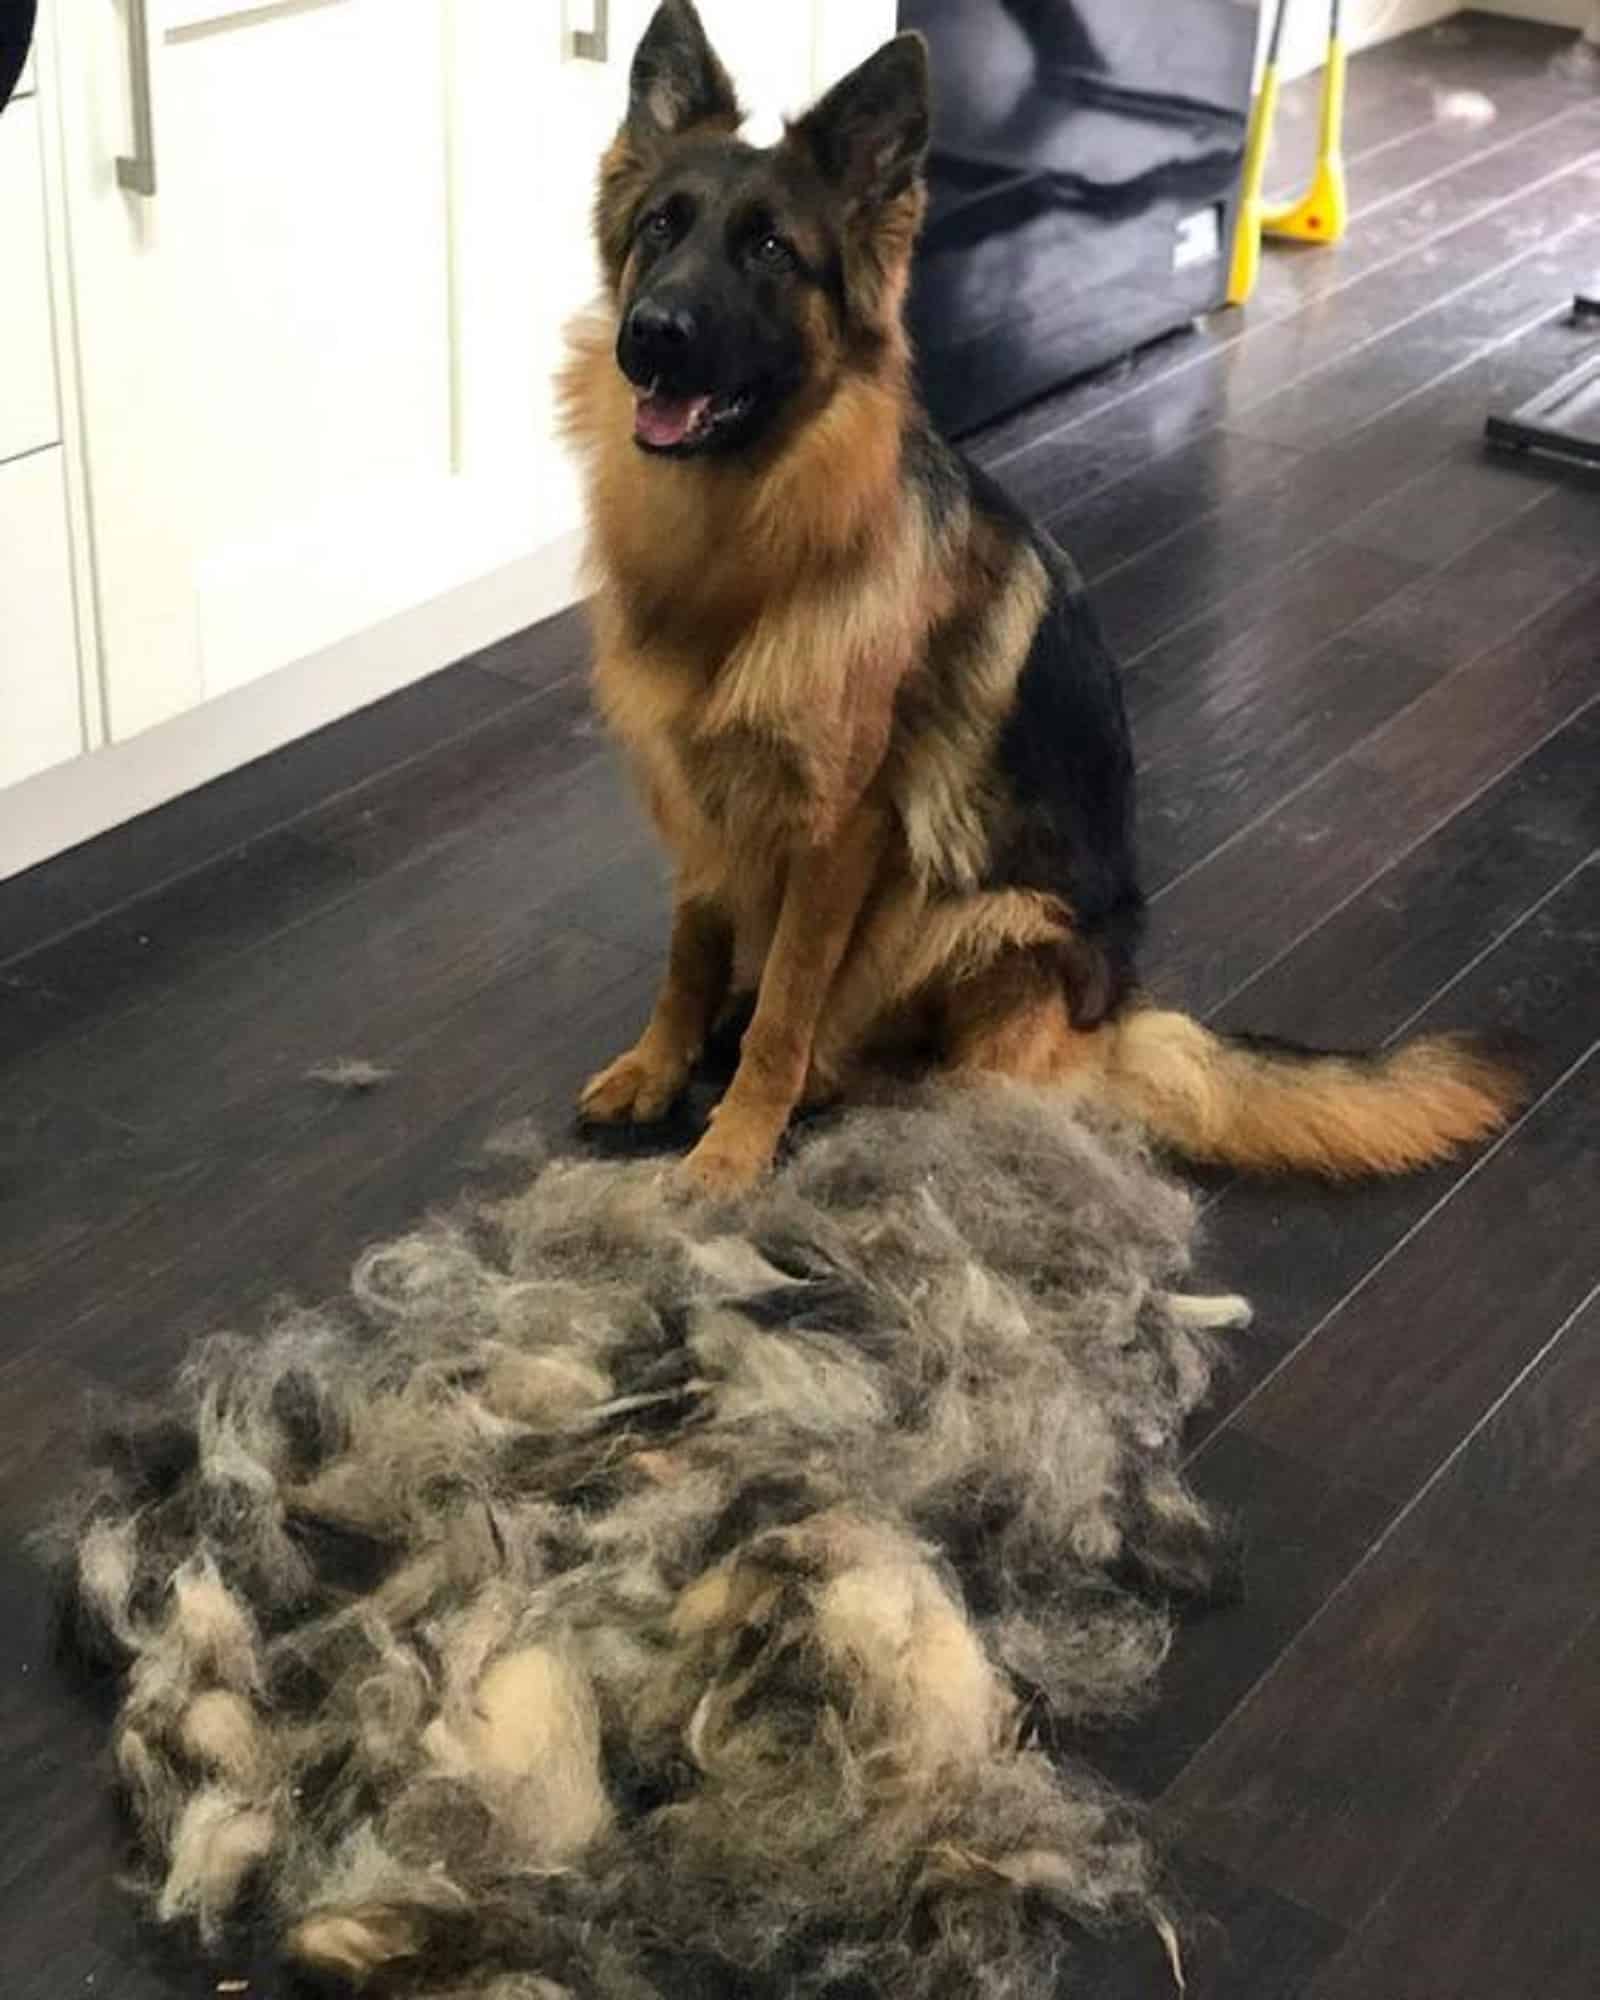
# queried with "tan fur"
point(881, 1624)
point(219, 1839)
point(105, 1572)
point(220, 1730)
point(354, 1943)
point(810, 667)
point(528, 1734)
point(957, 716)
point(1333, 1115)
point(544, 1391)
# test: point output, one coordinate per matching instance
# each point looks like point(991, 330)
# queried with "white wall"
point(1369, 21)
point(1365, 22)
point(1561, 13)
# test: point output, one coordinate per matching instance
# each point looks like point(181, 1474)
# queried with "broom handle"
point(1275, 39)
point(1246, 252)
point(1260, 133)
point(1333, 86)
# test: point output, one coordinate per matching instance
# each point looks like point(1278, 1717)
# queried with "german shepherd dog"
point(864, 696)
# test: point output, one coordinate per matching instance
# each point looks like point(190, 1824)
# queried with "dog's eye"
point(772, 251)
point(656, 227)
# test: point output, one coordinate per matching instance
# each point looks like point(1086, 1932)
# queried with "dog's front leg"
point(825, 889)
point(643, 1084)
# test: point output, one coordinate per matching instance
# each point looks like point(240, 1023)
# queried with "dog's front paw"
point(727, 1162)
point(640, 1086)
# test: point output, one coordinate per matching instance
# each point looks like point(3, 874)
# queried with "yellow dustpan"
point(1322, 214)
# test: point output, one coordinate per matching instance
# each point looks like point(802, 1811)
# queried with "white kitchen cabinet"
point(264, 330)
point(40, 719)
point(27, 365)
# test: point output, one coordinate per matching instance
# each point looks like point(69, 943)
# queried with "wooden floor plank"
point(189, 1229)
point(47, 1402)
point(1361, 379)
point(1467, 267)
point(1299, 1532)
point(1334, 1772)
point(1378, 961)
point(1434, 422)
point(1218, 559)
point(1280, 877)
point(1229, 738)
point(526, 754)
point(1501, 1898)
point(1449, 507)
point(542, 656)
point(1409, 168)
point(253, 1177)
point(1210, 670)
point(230, 1036)
point(131, 860)
point(1300, 1250)
point(1430, 1341)
point(1239, 1942)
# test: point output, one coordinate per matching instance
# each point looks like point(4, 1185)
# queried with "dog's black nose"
point(657, 336)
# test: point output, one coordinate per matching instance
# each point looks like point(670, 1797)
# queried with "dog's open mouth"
point(678, 423)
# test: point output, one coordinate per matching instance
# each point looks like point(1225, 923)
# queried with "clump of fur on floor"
point(619, 1583)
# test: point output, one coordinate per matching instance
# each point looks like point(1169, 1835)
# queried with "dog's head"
point(746, 279)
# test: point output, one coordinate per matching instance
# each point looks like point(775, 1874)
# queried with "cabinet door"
point(268, 340)
point(40, 721)
point(27, 371)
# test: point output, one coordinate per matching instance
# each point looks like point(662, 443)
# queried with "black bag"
point(16, 32)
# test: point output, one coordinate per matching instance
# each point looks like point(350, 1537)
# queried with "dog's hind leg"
point(923, 976)
point(1012, 1020)
point(643, 1084)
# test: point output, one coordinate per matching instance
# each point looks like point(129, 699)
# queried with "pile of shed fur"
point(623, 1595)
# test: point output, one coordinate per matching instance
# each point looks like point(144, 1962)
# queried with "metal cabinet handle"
point(137, 171)
point(593, 44)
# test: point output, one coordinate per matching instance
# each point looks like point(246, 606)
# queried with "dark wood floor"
point(1363, 661)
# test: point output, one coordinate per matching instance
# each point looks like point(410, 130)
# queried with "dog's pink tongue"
point(667, 420)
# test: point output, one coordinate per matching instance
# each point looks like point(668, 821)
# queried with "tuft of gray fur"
point(620, 1582)
point(354, 1074)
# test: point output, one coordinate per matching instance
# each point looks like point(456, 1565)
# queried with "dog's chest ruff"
point(720, 765)
point(779, 738)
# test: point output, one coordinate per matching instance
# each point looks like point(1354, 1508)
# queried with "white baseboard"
point(57, 809)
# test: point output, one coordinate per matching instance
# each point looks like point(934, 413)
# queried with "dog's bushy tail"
point(1269, 1107)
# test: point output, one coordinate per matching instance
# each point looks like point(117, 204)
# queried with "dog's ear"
point(868, 136)
point(677, 81)
point(677, 85)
